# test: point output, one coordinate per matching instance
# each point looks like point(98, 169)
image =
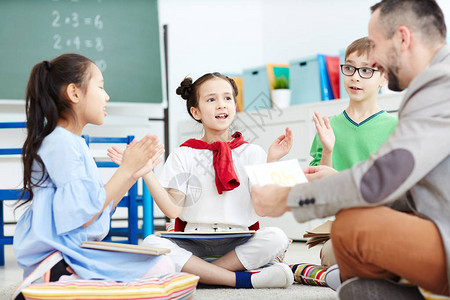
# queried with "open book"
point(204, 235)
point(110, 246)
point(285, 173)
point(318, 235)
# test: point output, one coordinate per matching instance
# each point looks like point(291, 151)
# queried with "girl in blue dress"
point(68, 202)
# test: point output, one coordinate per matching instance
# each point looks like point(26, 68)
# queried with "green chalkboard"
point(121, 36)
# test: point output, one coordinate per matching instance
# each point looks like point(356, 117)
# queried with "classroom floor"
point(11, 274)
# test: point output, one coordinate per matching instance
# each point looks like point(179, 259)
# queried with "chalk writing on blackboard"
point(75, 20)
point(122, 37)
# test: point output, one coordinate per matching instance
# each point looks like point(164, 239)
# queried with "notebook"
point(205, 235)
point(111, 246)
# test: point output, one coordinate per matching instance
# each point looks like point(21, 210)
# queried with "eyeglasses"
point(363, 72)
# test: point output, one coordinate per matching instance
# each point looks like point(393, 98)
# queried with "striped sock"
point(243, 280)
point(309, 274)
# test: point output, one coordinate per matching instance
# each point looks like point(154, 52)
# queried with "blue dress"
point(70, 197)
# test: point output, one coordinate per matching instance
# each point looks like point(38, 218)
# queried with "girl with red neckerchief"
point(205, 188)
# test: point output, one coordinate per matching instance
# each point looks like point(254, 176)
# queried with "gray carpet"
point(296, 291)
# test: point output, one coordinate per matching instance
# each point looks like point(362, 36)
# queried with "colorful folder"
point(333, 74)
point(329, 76)
point(240, 98)
point(327, 93)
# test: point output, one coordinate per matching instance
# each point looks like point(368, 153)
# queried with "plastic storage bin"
point(256, 89)
point(305, 80)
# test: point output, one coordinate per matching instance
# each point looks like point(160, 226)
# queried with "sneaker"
point(278, 275)
point(333, 277)
point(377, 289)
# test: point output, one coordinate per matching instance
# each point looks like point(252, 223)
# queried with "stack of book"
point(318, 235)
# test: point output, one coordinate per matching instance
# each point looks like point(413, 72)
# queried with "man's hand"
point(317, 172)
point(270, 200)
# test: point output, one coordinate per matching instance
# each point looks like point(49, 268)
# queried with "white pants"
point(253, 252)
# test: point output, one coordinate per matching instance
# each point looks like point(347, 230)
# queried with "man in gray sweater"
point(393, 210)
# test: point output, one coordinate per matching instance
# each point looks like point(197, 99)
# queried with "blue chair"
point(8, 194)
point(131, 201)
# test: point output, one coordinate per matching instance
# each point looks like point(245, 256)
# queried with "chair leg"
point(2, 234)
point(133, 216)
point(148, 227)
point(2, 255)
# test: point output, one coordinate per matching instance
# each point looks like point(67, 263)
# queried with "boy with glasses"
point(351, 136)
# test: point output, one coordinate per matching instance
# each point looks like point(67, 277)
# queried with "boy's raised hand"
point(280, 147)
point(325, 132)
point(140, 157)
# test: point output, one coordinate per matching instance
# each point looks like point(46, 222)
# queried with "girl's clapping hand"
point(141, 157)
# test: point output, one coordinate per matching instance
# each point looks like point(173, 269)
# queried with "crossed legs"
point(380, 242)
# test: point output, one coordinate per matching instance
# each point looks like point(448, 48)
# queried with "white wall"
point(231, 35)
point(208, 36)
point(293, 29)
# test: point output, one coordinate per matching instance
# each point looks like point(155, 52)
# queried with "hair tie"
point(47, 65)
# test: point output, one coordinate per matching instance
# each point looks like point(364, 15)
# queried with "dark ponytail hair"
point(46, 102)
point(189, 91)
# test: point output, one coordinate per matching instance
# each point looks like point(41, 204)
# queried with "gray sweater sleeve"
point(420, 142)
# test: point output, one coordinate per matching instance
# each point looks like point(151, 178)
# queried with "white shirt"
point(191, 171)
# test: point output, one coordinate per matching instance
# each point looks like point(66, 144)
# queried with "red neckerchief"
point(226, 178)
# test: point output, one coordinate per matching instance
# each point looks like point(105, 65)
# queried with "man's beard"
point(392, 70)
point(393, 83)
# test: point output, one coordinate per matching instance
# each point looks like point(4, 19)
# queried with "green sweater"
point(355, 142)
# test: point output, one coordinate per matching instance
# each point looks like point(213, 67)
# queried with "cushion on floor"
point(171, 286)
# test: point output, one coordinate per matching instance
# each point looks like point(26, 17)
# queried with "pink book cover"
point(332, 63)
